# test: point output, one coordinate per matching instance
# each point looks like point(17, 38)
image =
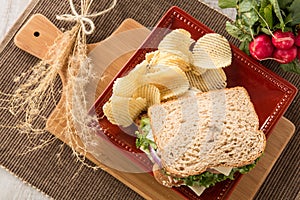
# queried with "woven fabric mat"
point(63, 178)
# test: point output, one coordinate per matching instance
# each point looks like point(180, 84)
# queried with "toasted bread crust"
point(163, 179)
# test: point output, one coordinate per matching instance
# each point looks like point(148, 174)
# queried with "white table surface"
point(12, 188)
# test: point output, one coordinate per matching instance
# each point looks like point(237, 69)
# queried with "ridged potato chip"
point(212, 51)
point(212, 79)
point(123, 111)
point(171, 81)
point(107, 110)
point(169, 72)
point(177, 42)
point(196, 81)
point(215, 79)
point(197, 70)
point(167, 59)
point(174, 60)
point(125, 86)
point(152, 57)
point(148, 92)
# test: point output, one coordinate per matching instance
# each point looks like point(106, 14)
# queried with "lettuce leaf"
point(208, 179)
point(142, 141)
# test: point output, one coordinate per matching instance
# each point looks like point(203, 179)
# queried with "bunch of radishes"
point(283, 47)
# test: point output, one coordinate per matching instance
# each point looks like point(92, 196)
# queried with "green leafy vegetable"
point(266, 11)
point(145, 125)
point(142, 141)
point(292, 67)
point(284, 3)
point(244, 46)
point(294, 9)
point(278, 13)
point(227, 3)
point(246, 6)
point(208, 179)
point(237, 31)
point(288, 19)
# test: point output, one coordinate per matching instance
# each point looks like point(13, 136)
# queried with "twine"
point(84, 17)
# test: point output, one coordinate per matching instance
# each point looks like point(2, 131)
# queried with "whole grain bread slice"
point(211, 129)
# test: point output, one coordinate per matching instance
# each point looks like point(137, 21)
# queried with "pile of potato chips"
point(169, 72)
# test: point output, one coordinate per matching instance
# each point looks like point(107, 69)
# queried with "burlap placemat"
point(63, 178)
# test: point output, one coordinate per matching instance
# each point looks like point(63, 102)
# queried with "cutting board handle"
point(37, 35)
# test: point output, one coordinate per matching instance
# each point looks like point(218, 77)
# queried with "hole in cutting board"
point(36, 34)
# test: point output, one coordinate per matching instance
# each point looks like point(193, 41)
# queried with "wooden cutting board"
point(42, 33)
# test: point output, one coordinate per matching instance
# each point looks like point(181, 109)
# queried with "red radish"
point(261, 47)
point(297, 39)
point(298, 53)
point(283, 40)
point(285, 55)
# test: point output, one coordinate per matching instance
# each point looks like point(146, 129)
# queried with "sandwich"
point(202, 139)
point(196, 131)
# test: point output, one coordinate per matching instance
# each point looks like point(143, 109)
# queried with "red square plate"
point(270, 94)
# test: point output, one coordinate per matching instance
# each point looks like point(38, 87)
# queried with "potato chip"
point(139, 70)
point(177, 42)
point(171, 81)
point(167, 94)
point(215, 79)
point(177, 61)
point(196, 81)
point(148, 92)
point(107, 110)
point(202, 60)
point(186, 57)
point(123, 111)
point(212, 51)
point(212, 79)
point(168, 73)
point(167, 59)
point(125, 86)
point(197, 70)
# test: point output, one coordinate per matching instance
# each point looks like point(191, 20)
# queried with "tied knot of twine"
point(84, 18)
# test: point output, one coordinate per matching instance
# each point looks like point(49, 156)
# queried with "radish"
point(298, 53)
point(261, 47)
point(285, 56)
point(283, 40)
point(297, 39)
